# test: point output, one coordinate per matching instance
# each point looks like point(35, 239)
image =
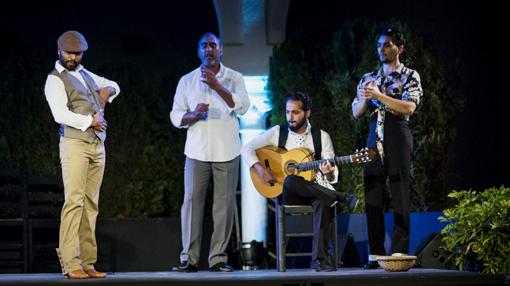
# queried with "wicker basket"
point(396, 263)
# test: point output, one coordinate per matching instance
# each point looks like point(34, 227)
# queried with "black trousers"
point(298, 191)
point(398, 148)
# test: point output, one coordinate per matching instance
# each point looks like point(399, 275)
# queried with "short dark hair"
point(209, 34)
point(300, 96)
point(398, 37)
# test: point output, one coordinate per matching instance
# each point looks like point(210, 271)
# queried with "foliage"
point(144, 164)
point(480, 228)
point(28, 132)
point(329, 70)
point(295, 66)
point(144, 170)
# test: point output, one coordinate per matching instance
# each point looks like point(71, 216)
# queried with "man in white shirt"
point(207, 102)
point(77, 99)
point(296, 190)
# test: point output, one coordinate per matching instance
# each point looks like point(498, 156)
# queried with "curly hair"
point(300, 96)
point(398, 37)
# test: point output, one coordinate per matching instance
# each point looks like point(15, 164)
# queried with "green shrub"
point(145, 161)
point(329, 70)
point(479, 228)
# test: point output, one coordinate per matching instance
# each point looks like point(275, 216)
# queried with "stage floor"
point(301, 277)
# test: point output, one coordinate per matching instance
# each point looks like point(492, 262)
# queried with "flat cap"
point(72, 41)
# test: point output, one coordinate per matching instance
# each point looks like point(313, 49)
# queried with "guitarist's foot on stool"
point(351, 201)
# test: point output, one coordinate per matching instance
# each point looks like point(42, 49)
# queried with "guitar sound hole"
point(291, 169)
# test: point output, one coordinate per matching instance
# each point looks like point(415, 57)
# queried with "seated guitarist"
point(319, 193)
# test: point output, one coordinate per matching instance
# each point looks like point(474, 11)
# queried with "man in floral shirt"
point(390, 95)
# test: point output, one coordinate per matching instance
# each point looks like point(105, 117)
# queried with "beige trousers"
point(82, 171)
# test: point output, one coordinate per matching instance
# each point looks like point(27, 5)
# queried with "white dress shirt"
point(57, 97)
point(271, 136)
point(215, 139)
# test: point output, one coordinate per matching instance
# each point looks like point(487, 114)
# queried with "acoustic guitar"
point(297, 161)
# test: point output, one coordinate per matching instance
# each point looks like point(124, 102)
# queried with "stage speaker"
point(433, 255)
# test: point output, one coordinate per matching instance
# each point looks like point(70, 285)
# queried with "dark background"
point(468, 38)
point(161, 36)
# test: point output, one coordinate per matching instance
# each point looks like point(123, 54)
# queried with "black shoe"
point(371, 265)
point(221, 267)
point(351, 201)
point(185, 267)
point(321, 267)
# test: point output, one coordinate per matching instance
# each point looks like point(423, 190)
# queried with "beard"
point(68, 64)
point(210, 62)
point(209, 59)
point(387, 59)
point(298, 125)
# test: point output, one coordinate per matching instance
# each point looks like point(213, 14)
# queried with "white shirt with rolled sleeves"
point(270, 138)
point(57, 97)
point(215, 139)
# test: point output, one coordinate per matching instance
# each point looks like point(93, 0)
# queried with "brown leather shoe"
point(77, 274)
point(95, 274)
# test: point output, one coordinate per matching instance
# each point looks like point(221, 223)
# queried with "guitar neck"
point(314, 165)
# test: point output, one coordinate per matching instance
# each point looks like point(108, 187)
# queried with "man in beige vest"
point(77, 99)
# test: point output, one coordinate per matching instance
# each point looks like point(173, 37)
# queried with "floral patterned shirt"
point(403, 84)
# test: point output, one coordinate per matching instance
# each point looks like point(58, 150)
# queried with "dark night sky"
point(163, 34)
point(157, 33)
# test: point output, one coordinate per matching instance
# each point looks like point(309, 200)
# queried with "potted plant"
point(478, 232)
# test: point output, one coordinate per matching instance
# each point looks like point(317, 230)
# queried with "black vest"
point(316, 138)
